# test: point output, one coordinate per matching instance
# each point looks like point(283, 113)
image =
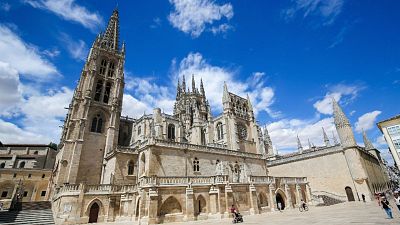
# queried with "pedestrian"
point(279, 206)
point(363, 197)
point(386, 206)
point(397, 200)
point(1, 206)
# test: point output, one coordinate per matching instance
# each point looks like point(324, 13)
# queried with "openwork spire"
point(299, 146)
point(110, 38)
point(225, 96)
point(367, 143)
point(326, 139)
point(202, 92)
point(183, 84)
point(339, 116)
point(178, 90)
point(193, 84)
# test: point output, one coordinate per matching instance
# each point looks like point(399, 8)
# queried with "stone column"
point(272, 197)
point(214, 209)
point(228, 199)
point(153, 206)
point(298, 198)
point(308, 194)
point(288, 196)
point(189, 204)
point(253, 200)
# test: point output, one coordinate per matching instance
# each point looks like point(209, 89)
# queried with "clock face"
point(242, 132)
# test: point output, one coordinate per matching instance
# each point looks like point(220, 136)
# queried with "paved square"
point(345, 213)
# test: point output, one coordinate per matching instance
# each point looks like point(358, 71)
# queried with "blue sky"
point(290, 56)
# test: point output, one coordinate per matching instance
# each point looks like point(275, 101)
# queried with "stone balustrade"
point(261, 179)
point(182, 181)
point(76, 189)
point(294, 180)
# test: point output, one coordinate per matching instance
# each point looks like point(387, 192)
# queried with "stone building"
point(160, 168)
point(26, 168)
point(390, 129)
point(338, 171)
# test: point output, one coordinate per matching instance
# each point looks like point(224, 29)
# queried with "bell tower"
point(91, 127)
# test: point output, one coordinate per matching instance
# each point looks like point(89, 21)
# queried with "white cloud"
point(156, 23)
point(11, 133)
point(10, 90)
point(284, 132)
point(214, 77)
point(23, 57)
point(327, 10)
point(76, 48)
point(192, 17)
point(222, 28)
point(52, 53)
point(366, 121)
point(69, 10)
point(39, 116)
point(350, 92)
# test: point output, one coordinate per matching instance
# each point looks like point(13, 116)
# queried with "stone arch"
point(170, 206)
point(142, 164)
point(94, 210)
point(137, 208)
point(171, 132)
point(130, 167)
point(280, 198)
point(200, 205)
point(349, 193)
point(262, 200)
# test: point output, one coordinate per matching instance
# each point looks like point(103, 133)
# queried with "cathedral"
point(187, 166)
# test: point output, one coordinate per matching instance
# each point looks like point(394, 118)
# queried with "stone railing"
point(181, 181)
point(294, 180)
point(330, 195)
point(204, 148)
point(76, 189)
point(261, 179)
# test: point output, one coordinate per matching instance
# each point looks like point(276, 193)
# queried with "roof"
point(387, 120)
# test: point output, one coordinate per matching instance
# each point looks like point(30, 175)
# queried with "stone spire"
point(202, 92)
point(326, 139)
point(367, 143)
point(335, 141)
point(299, 146)
point(178, 90)
point(309, 143)
point(225, 96)
point(193, 84)
point(343, 126)
point(249, 102)
point(267, 141)
point(110, 38)
point(183, 84)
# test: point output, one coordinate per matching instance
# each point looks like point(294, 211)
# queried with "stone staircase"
point(33, 213)
point(327, 199)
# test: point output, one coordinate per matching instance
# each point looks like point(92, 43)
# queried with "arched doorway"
point(349, 193)
point(138, 202)
point(201, 206)
point(94, 213)
point(280, 199)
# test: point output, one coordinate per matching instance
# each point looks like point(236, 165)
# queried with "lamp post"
point(16, 203)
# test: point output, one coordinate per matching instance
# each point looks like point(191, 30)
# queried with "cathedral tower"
point(91, 128)
point(343, 126)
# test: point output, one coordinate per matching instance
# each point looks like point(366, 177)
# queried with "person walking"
point(280, 206)
point(397, 200)
point(386, 206)
point(363, 197)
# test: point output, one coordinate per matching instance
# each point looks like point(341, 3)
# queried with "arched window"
point(106, 96)
point(97, 124)
point(99, 88)
point(139, 130)
point(103, 66)
point(196, 166)
point(220, 131)
point(203, 136)
point(36, 152)
point(22, 164)
point(2, 165)
point(171, 132)
point(111, 68)
point(130, 168)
